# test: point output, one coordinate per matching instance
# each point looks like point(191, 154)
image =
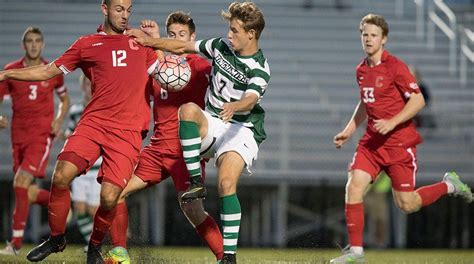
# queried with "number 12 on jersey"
point(117, 58)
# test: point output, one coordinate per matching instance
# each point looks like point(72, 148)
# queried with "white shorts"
point(85, 188)
point(224, 137)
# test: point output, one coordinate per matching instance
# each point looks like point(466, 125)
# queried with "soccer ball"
point(173, 73)
point(117, 255)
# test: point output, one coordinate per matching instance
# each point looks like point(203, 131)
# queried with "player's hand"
point(139, 36)
point(228, 111)
point(384, 126)
point(3, 122)
point(56, 127)
point(3, 76)
point(340, 139)
point(150, 27)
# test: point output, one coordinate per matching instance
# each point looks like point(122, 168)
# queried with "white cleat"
point(460, 189)
point(9, 250)
point(348, 257)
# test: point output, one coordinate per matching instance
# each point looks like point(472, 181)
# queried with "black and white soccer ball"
point(173, 73)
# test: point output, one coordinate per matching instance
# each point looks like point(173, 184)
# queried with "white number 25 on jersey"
point(368, 96)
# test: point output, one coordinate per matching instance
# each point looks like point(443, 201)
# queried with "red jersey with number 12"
point(385, 89)
point(118, 68)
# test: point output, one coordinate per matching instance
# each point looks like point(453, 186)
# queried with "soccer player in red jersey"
point(110, 126)
point(163, 157)
point(389, 99)
point(33, 129)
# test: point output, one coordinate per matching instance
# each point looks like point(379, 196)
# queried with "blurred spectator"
point(377, 209)
point(425, 117)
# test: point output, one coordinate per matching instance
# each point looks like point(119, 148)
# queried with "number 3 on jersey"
point(117, 58)
point(368, 95)
point(33, 92)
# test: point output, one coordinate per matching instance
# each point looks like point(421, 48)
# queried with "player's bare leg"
point(192, 129)
point(58, 209)
point(230, 166)
point(357, 183)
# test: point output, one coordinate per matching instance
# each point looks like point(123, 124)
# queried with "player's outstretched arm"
point(171, 45)
point(35, 73)
point(360, 114)
point(245, 104)
point(415, 103)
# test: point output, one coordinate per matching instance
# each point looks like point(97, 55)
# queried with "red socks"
point(20, 215)
point(42, 198)
point(58, 209)
point(355, 223)
point(102, 221)
point(118, 229)
point(431, 193)
point(209, 232)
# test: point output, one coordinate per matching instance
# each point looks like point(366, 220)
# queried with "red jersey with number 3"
point(166, 104)
point(385, 89)
point(118, 68)
point(32, 103)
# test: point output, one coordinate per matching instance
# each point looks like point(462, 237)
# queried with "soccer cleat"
point(228, 259)
point(54, 244)
point(460, 189)
point(348, 257)
point(117, 255)
point(94, 256)
point(9, 250)
point(196, 190)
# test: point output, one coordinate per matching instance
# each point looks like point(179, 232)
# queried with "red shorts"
point(118, 148)
point(155, 166)
point(32, 156)
point(399, 163)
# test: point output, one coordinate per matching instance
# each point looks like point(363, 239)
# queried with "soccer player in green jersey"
point(231, 127)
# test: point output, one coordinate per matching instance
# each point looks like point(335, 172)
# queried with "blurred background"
point(295, 198)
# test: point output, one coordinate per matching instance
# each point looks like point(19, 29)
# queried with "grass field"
point(188, 255)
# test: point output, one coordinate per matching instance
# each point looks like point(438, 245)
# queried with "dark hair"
point(180, 17)
point(106, 2)
point(377, 20)
point(248, 13)
point(30, 29)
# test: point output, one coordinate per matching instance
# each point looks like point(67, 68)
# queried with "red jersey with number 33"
point(32, 103)
point(385, 89)
point(166, 104)
point(118, 68)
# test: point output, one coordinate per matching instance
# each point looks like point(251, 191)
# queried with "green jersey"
point(232, 77)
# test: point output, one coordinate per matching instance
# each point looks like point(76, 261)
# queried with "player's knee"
point(354, 190)
point(108, 200)
point(407, 206)
point(226, 187)
point(60, 178)
point(188, 111)
point(22, 179)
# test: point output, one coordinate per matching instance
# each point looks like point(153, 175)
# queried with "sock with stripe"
point(191, 144)
point(209, 232)
point(431, 193)
point(118, 229)
point(42, 198)
point(58, 209)
point(230, 218)
point(20, 215)
point(102, 221)
point(85, 225)
point(355, 223)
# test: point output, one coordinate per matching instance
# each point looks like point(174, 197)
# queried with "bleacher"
point(312, 54)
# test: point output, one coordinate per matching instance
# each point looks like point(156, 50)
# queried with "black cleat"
point(196, 190)
point(54, 244)
point(94, 256)
point(229, 259)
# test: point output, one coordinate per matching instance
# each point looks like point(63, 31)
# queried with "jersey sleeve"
point(206, 47)
point(4, 87)
point(60, 87)
point(404, 80)
point(70, 60)
point(258, 81)
point(151, 60)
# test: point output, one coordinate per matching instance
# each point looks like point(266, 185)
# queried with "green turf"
point(74, 254)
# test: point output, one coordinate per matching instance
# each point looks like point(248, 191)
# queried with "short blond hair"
point(374, 19)
point(247, 12)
